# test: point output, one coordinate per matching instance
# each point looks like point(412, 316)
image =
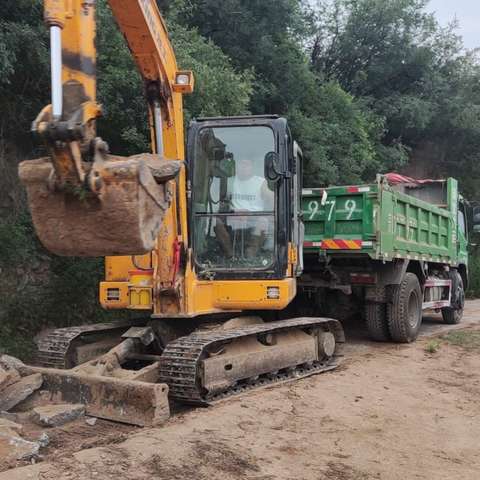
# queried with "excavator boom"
point(84, 201)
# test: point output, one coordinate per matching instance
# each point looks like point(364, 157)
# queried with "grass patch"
point(433, 346)
point(469, 340)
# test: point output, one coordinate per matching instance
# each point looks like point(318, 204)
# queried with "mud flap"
point(126, 401)
point(123, 218)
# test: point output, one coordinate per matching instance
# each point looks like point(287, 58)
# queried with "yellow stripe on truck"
point(332, 245)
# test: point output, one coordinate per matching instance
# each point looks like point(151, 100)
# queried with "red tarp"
point(396, 178)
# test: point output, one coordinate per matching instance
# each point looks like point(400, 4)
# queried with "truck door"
point(462, 234)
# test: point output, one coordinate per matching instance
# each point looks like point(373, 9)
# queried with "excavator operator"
point(247, 192)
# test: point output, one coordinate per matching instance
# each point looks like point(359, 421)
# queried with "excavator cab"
point(244, 211)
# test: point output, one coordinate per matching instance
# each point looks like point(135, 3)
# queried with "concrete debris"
point(7, 424)
point(19, 391)
point(13, 447)
point(7, 377)
point(91, 421)
point(11, 363)
point(44, 440)
point(57, 415)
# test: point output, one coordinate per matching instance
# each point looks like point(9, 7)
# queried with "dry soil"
point(389, 412)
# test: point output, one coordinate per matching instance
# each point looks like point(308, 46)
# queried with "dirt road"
point(390, 412)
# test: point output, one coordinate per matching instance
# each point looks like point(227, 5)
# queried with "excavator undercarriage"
point(132, 381)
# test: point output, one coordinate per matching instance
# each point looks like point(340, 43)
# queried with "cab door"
point(240, 219)
point(298, 228)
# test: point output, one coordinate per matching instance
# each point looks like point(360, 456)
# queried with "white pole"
point(56, 69)
point(158, 127)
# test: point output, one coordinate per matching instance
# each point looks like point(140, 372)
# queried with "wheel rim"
point(413, 310)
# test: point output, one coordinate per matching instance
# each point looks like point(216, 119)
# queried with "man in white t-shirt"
point(247, 192)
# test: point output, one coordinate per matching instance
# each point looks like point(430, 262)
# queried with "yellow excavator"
point(209, 248)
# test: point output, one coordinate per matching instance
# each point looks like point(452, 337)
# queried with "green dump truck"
point(392, 248)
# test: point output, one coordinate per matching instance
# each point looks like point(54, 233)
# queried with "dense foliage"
point(367, 85)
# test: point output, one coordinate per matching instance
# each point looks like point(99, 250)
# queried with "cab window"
point(233, 203)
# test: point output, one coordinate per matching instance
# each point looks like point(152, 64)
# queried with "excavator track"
point(54, 347)
point(182, 361)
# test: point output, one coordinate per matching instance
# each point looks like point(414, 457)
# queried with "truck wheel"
point(376, 319)
point(404, 313)
point(453, 315)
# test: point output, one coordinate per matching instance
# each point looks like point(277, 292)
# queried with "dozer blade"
point(123, 218)
point(126, 401)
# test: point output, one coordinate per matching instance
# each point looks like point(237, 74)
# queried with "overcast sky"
point(467, 13)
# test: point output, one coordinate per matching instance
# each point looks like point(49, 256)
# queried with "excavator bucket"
point(123, 217)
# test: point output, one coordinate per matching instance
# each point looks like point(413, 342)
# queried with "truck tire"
point(404, 312)
point(376, 319)
point(453, 315)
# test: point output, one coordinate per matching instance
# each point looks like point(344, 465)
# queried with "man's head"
point(244, 169)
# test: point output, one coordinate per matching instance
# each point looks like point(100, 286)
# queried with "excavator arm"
point(84, 201)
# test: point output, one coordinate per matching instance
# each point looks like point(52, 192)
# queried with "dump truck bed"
point(406, 220)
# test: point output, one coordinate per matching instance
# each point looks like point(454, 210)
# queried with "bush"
point(39, 290)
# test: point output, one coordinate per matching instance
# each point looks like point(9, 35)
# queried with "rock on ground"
point(13, 417)
point(8, 424)
point(19, 391)
point(57, 415)
point(13, 447)
point(91, 421)
point(11, 363)
point(8, 377)
point(44, 440)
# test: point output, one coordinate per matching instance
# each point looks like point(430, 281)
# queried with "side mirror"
point(272, 167)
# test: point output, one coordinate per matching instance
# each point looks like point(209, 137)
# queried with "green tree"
point(337, 136)
point(261, 35)
point(336, 132)
point(24, 70)
point(220, 90)
point(395, 58)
